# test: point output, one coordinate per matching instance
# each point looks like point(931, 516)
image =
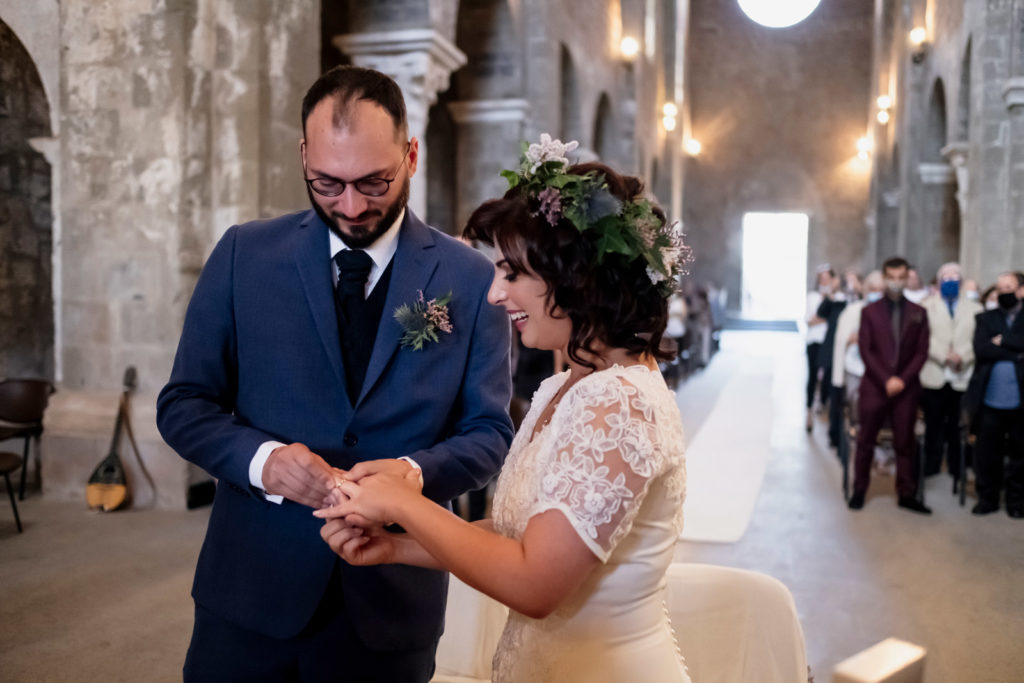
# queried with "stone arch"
point(26, 219)
point(570, 115)
point(963, 109)
point(606, 141)
point(936, 132)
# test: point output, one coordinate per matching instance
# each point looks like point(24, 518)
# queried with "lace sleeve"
point(604, 455)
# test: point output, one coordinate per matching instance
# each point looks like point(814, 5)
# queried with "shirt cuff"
point(415, 466)
point(256, 469)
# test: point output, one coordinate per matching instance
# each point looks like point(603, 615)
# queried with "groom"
point(292, 363)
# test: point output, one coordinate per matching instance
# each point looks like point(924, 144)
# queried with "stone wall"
point(778, 112)
point(26, 272)
point(180, 119)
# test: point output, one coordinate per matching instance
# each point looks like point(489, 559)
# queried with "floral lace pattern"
point(614, 439)
point(610, 436)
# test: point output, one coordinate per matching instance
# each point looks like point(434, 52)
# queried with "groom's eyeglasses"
point(371, 187)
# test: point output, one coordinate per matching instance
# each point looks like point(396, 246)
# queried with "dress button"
point(350, 439)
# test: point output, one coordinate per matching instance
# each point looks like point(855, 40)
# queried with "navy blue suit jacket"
point(259, 359)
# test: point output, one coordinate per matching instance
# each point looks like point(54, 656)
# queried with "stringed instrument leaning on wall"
point(107, 488)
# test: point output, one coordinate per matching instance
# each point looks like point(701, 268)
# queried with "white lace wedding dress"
point(611, 460)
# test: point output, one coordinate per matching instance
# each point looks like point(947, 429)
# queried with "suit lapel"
point(414, 264)
point(313, 262)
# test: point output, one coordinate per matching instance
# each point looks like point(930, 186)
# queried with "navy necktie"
point(353, 269)
point(356, 333)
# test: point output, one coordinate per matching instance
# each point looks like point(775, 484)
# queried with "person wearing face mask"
point(915, 289)
point(893, 342)
point(947, 371)
point(847, 366)
point(994, 400)
point(971, 292)
point(817, 329)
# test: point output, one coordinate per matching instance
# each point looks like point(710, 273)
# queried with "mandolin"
point(107, 488)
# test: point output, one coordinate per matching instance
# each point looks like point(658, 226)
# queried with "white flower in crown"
point(655, 276)
point(549, 150)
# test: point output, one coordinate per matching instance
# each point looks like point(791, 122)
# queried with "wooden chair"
point(22, 404)
point(848, 446)
point(8, 463)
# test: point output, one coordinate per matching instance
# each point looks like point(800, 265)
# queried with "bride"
point(589, 504)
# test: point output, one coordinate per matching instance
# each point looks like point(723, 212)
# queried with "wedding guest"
point(893, 341)
point(292, 363)
point(817, 328)
point(915, 291)
point(588, 506)
point(847, 366)
point(947, 371)
point(990, 298)
point(994, 400)
point(830, 309)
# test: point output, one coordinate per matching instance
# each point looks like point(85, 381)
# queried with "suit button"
point(350, 439)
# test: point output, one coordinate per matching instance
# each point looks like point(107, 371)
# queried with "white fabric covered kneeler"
point(735, 625)
point(473, 624)
point(890, 661)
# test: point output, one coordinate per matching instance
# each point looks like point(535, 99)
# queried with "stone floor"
point(88, 597)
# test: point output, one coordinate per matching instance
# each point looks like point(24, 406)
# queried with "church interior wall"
point(778, 112)
point(170, 122)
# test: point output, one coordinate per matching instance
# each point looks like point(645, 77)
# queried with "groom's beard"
point(363, 237)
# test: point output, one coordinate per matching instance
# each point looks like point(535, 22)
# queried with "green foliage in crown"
point(631, 228)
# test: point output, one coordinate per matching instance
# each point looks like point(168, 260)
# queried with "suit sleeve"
point(482, 432)
point(963, 342)
point(876, 369)
point(913, 369)
point(984, 349)
point(195, 410)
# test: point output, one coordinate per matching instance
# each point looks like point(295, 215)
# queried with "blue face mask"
point(872, 297)
point(950, 289)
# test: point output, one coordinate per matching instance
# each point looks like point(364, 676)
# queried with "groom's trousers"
point(328, 649)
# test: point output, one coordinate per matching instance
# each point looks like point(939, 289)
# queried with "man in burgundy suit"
point(893, 342)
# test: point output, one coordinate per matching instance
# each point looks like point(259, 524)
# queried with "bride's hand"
point(371, 502)
point(358, 546)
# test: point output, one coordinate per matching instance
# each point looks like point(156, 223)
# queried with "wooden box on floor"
point(890, 661)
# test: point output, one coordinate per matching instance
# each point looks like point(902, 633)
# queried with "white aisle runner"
point(726, 459)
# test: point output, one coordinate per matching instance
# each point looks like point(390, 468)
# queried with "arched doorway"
point(606, 142)
point(26, 221)
point(571, 123)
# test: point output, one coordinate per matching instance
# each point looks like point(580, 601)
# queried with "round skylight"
point(778, 13)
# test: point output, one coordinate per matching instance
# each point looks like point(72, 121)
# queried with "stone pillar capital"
point(508, 110)
point(420, 60)
point(1013, 92)
point(933, 173)
point(956, 153)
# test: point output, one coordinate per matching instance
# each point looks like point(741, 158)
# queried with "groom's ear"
point(414, 155)
point(302, 152)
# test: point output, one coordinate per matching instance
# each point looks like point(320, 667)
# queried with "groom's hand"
point(396, 468)
point(298, 474)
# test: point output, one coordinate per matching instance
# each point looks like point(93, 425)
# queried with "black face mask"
point(1008, 300)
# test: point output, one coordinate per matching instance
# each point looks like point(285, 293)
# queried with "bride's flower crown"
point(628, 228)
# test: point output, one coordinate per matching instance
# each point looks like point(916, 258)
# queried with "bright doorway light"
point(774, 265)
point(778, 13)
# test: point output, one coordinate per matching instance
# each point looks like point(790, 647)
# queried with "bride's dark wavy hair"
point(612, 303)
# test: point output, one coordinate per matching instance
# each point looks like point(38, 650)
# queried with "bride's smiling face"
point(524, 296)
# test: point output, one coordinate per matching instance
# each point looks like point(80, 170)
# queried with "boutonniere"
point(424, 320)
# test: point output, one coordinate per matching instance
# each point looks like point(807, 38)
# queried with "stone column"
point(936, 240)
point(487, 140)
point(1013, 96)
point(987, 244)
point(421, 61)
point(956, 153)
